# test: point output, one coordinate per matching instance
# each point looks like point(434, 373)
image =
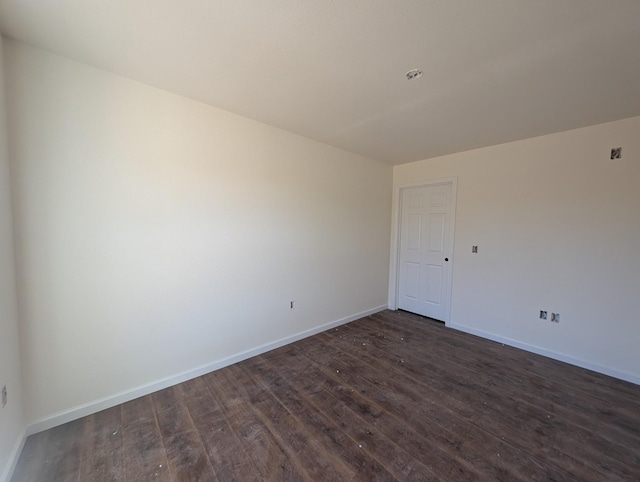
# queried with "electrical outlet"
point(543, 315)
point(555, 317)
point(474, 249)
point(291, 304)
point(4, 396)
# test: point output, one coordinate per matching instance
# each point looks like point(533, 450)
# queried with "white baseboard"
point(7, 473)
point(127, 395)
point(548, 353)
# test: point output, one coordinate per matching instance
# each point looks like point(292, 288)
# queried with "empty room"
point(319, 240)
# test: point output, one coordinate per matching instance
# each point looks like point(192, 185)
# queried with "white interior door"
point(426, 247)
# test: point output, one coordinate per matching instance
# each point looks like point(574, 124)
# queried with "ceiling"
point(334, 70)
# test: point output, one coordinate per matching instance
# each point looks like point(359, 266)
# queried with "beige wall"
point(11, 422)
point(557, 225)
point(157, 234)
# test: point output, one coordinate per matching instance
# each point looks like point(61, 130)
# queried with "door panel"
point(413, 281)
point(436, 232)
point(433, 293)
point(415, 225)
point(426, 241)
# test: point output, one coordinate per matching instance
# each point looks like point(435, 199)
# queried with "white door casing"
point(425, 249)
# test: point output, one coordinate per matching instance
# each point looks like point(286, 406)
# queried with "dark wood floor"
point(389, 397)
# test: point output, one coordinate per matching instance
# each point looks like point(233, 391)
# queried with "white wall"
point(11, 421)
point(157, 234)
point(557, 225)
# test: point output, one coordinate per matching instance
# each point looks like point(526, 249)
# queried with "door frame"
point(395, 238)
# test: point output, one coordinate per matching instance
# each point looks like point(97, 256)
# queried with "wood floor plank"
point(185, 452)
point(444, 390)
point(516, 376)
point(298, 401)
point(410, 395)
point(58, 458)
point(56, 454)
point(226, 453)
point(440, 436)
point(576, 382)
point(336, 441)
point(288, 430)
point(34, 458)
point(551, 429)
point(542, 428)
point(392, 396)
point(266, 453)
point(101, 453)
point(365, 425)
point(145, 456)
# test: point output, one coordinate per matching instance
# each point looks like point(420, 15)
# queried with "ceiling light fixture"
point(413, 74)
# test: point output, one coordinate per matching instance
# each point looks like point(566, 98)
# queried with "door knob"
point(446, 259)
